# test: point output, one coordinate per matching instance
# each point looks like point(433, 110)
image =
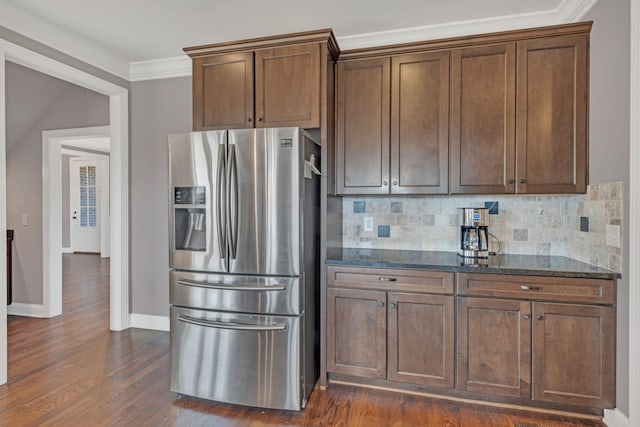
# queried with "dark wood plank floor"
point(72, 371)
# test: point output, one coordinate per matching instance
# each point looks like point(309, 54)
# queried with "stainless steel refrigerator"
point(244, 272)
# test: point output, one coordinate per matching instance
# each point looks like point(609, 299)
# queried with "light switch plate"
point(612, 235)
point(24, 219)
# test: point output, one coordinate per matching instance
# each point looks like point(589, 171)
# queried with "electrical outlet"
point(368, 223)
point(612, 235)
point(24, 219)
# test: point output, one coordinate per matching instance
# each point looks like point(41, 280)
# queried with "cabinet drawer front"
point(436, 282)
point(595, 291)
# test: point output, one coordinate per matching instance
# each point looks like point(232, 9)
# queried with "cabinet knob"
point(540, 317)
point(511, 181)
point(385, 183)
point(392, 305)
point(530, 288)
point(523, 181)
point(395, 182)
point(249, 119)
point(526, 317)
point(387, 279)
point(259, 119)
point(380, 304)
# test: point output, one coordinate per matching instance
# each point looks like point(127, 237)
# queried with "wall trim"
point(179, 66)
point(147, 321)
point(634, 217)
point(28, 310)
point(615, 418)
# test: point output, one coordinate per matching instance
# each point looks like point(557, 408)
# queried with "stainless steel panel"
point(265, 210)
point(197, 160)
point(248, 294)
point(243, 359)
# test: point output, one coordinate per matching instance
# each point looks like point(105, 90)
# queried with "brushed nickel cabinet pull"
point(392, 305)
point(387, 279)
point(540, 317)
point(526, 317)
point(530, 288)
point(380, 304)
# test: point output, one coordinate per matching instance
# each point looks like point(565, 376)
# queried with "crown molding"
point(179, 66)
point(568, 11)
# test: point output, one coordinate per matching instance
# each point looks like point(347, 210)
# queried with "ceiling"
point(112, 34)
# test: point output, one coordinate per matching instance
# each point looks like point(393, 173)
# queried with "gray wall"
point(158, 108)
point(54, 105)
point(609, 144)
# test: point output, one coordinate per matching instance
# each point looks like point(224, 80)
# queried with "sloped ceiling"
point(112, 34)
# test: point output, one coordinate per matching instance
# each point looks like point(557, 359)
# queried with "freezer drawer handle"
point(229, 287)
point(229, 325)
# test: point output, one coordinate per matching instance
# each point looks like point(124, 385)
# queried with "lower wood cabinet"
point(557, 352)
point(526, 340)
point(398, 336)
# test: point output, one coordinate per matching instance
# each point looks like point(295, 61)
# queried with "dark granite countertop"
point(532, 265)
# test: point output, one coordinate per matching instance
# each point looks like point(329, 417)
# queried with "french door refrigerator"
point(244, 275)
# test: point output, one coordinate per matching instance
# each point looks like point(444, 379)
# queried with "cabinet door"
point(574, 354)
point(421, 339)
point(356, 332)
point(223, 92)
point(483, 119)
point(552, 115)
point(494, 347)
point(288, 86)
point(420, 124)
point(362, 138)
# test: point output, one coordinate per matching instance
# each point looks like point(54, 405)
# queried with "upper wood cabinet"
point(362, 128)
point(552, 127)
point(223, 91)
point(483, 104)
point(497, 113)
point(519, 121)
point(267, 82)
point(393, 125)
point(420, 123)
point(287, 88)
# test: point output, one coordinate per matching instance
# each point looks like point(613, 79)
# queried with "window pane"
point(91, 170)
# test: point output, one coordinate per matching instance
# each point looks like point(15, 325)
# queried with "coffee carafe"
point(474, 233)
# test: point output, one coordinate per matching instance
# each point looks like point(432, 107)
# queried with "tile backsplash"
point(538, 225)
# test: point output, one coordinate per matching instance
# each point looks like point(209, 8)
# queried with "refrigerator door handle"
point(224, 286)
point(232, 207)
point(230, 325)
point(221, 205)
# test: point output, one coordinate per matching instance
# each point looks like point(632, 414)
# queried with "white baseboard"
point(67, 250)
point(28, 310)
point(147, 321)
point(615, 418)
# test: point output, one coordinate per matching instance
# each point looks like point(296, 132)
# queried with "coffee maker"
point(474, 233)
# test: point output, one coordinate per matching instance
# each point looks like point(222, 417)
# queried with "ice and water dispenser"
point(190, 219)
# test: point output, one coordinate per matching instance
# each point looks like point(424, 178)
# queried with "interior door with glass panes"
point(84, 205)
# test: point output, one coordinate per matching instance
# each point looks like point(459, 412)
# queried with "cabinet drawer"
point(594, 291)
point(435, 282)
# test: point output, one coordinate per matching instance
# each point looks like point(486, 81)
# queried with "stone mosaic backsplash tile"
point(530, 225)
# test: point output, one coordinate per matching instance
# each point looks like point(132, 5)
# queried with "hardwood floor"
point(72, 371)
